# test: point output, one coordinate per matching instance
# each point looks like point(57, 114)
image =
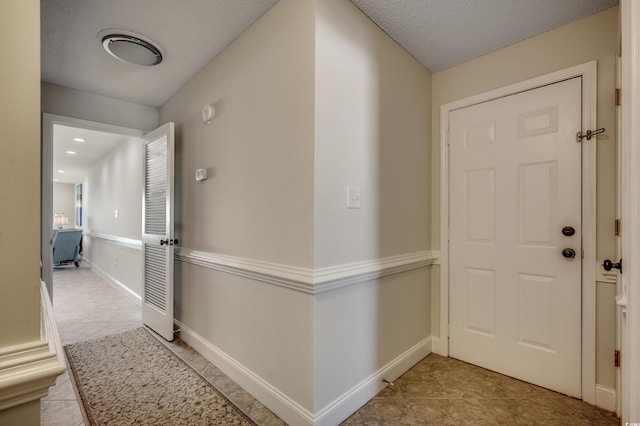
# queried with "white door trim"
point(588, 72)
point(629, 299)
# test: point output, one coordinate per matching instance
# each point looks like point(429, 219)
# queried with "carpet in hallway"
point(132, 378)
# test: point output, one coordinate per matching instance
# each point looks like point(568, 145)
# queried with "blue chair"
point(66, 246)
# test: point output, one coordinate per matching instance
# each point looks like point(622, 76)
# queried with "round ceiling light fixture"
point(130, 47)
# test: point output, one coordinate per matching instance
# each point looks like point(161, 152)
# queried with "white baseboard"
point(356, 397)
point(436, 346)
point(606, 398)
point(285, 407)
point(117, 284)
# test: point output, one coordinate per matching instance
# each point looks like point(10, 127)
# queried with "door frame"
point(588, 72)
point(46, 209)
point(629, 299)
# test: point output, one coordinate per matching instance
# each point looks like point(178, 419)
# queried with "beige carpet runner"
point(132, 378)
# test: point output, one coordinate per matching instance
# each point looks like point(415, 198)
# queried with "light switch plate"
point(353, 197)
point(201, 174)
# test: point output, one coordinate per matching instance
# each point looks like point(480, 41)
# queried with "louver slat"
point(155, 188)
point(155, 274)
point(155, 223)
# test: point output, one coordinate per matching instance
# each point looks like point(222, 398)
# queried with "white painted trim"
point(606, 398)
point(286, 408)
point(48, 326)
point(28, 370)
point(436, 345)
point(121, 241)
point(303, 279)
point(349, 402)
point(117, 284)
point(629, 298)
point(273, 273)
point(306, 279)
point(605, 276)
point(283, 406)
point(588, 72)
point(333, 277)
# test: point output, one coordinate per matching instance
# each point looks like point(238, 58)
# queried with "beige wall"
point(592, 38)
point(64, 201)
point(257, 203)
point(89, 106)
point(373, 102)
point(372, 130)
point(20, 173)
point(115, 183)
point(258, 200)
point(311, 99)
point(20, 191)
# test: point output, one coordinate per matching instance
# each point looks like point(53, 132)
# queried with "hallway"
point(437, 391)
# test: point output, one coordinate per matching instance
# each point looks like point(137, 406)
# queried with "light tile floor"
point(437, 391)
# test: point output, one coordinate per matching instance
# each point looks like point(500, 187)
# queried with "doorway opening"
point(104, 162)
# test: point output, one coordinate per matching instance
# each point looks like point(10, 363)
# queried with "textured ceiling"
point(190, 33)
point(439, 33)
point(444, 33)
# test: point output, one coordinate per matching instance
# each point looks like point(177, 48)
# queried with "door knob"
point(608, 265)
point(569, 253)
point(568, 231)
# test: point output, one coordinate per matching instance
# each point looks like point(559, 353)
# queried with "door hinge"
point(448, 330)
point(616, 358)
point(618, 97)
point(617, 227)
point(448, 137)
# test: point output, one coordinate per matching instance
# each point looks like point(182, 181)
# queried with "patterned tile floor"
point(436, 391)
point(446, 391)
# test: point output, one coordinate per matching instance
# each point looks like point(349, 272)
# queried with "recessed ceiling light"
point(55, 180)
point(71, 152)
point(60, 171)
point(79, 140)
point(130, 47)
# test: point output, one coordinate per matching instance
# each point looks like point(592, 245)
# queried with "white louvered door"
point(157, 229)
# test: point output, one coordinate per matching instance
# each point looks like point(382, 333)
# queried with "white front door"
point(515, 276)
point(157, 231)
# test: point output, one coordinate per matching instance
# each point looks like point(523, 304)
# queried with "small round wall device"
point(208, 112)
